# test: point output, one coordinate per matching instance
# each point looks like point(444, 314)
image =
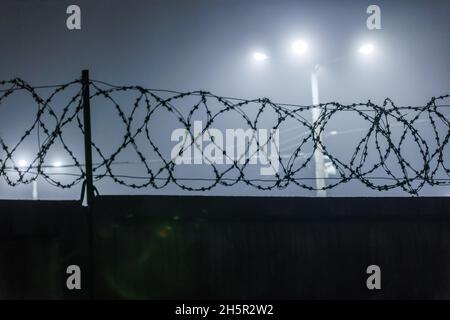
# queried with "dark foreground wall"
point(38, 240)
point(218, 247)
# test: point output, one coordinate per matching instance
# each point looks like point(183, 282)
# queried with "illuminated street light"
point(367, 49)
point(57, 164)
point(323, 168)
point(23, 163)
point(259, 56)
point(299, 47)
point(318, 152)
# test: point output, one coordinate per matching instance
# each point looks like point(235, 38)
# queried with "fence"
point(145, 247)
point(380, 159)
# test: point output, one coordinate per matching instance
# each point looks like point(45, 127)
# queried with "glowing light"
point(259, 56)
point(23, 163)
point(57, 164)
point(330, 169)
point(299, 47)
point(333, 133)
point(367, 49)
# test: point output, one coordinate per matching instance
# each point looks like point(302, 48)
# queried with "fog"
point(209, 45)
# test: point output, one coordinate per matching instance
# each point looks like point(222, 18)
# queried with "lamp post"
point(35, 193)
point(318, 153)
point(300, 47)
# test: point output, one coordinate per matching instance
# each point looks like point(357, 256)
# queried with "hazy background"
point(208, 45)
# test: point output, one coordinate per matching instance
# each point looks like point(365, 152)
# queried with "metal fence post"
point(87, 137)
point(89, 179)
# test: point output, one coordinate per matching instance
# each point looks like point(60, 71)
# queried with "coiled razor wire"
point(379, 139)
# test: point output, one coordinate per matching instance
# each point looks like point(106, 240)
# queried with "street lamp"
point(299, 47)
point(260, 56)
point(323, 169)
point(23, 163)
point(366, 49)
point(57, 164)
point(318, 153)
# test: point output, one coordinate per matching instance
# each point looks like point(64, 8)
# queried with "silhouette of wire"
point(383, 147)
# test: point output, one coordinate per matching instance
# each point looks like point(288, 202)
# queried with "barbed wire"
point(390, 153)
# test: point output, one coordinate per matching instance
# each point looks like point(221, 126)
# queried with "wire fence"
point(402, 147)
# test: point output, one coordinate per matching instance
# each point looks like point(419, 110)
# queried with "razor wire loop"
point(43, 108)
point(151, 101)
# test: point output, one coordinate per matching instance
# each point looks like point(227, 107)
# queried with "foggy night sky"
point(207, 45)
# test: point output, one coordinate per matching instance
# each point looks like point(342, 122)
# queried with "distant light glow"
point(57, 164)
point(367, 48)
point(260, 56)
point(23, 163)
point(330, 169)
point(333, 133)
point(299, 47)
